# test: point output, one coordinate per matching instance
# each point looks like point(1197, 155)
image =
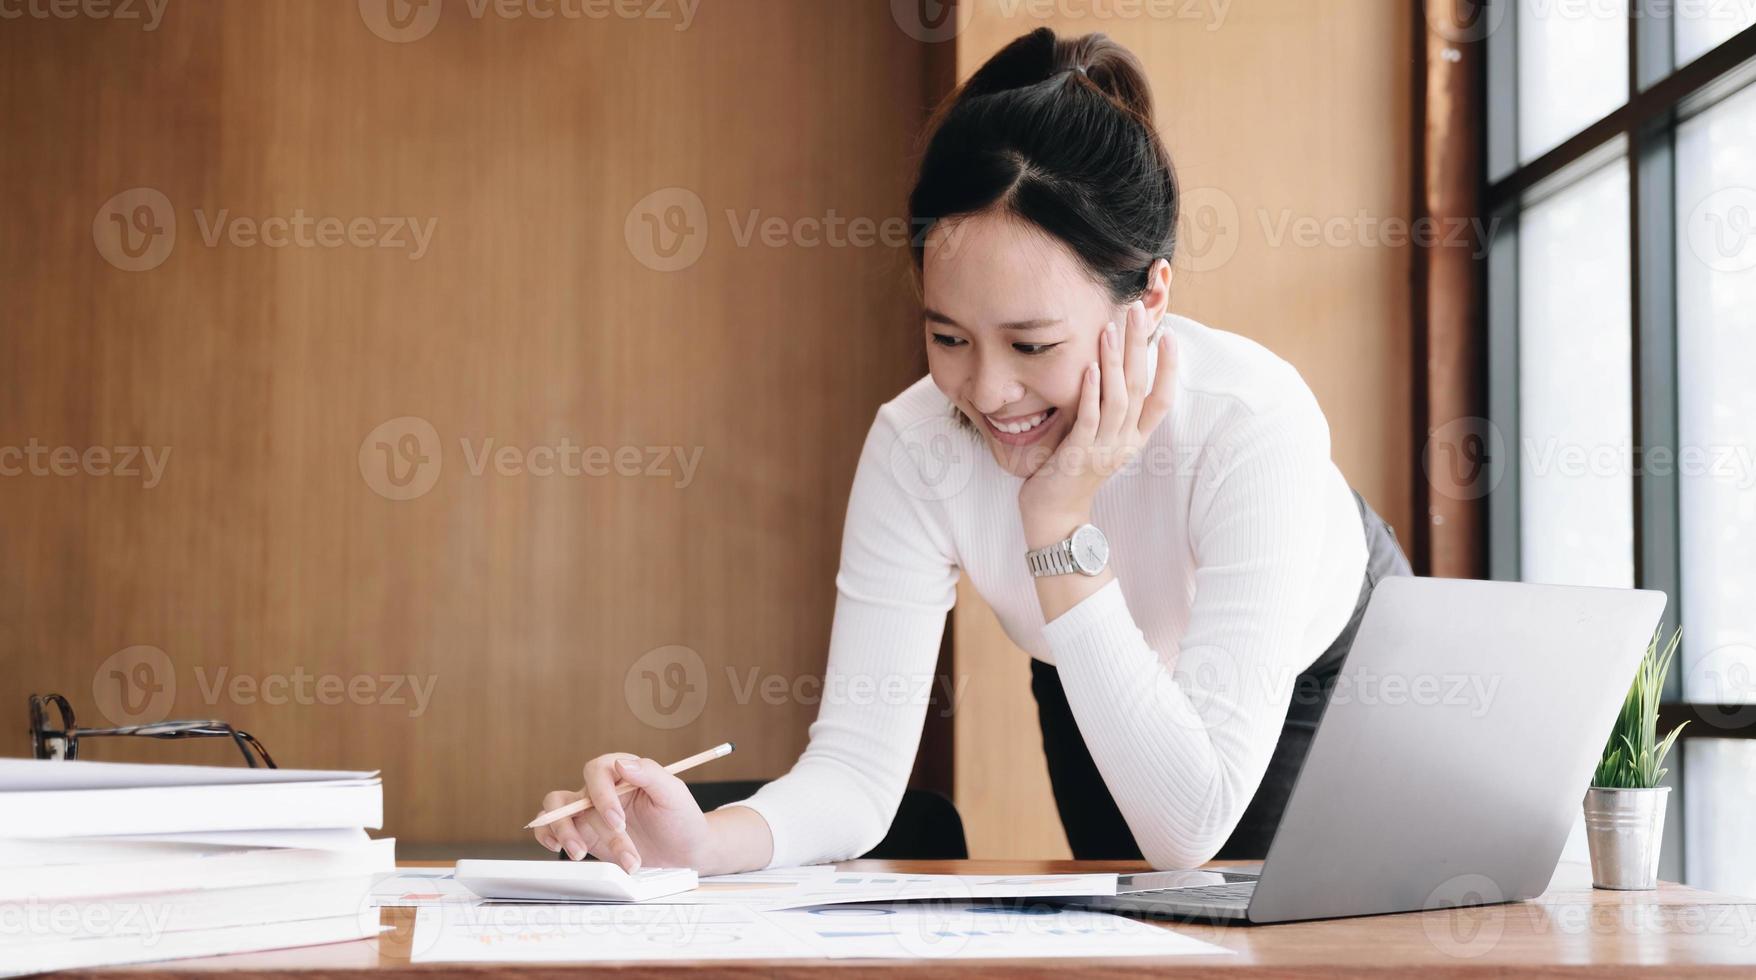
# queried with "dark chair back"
point(927, 826)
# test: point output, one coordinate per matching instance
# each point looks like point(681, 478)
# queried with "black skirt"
point(1094, 824)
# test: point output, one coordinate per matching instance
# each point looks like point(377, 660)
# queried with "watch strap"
point(1054, 559)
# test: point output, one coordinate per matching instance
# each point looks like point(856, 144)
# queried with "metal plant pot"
point(1625, 828)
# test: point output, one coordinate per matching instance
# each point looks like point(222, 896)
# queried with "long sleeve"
point(1182, 737)
point(895, 584)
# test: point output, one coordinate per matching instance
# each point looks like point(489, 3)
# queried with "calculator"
point(571, 881)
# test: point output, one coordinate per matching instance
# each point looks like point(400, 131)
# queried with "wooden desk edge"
point(1578, 931)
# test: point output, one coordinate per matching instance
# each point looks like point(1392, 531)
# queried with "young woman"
point(1174, 547)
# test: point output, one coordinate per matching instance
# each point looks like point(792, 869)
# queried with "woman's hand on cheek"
point(1117, 412)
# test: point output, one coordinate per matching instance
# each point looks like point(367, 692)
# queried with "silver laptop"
point(1450, 762)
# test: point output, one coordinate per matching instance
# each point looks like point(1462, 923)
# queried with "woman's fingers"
point(600, 787)
point(1134, 364)
point(1115, 384)
point(606, 842)
point(561, 834)
point(663, 788)
point(1157, 403)
point(1085, 427)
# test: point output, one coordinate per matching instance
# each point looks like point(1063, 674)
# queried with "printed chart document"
point(571, 933)
point(791, 888)
point(930, 930)
point(979, 930)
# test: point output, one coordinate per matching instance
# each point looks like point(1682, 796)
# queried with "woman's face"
point(1012, 322)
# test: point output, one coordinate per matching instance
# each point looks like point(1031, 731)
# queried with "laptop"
point(1450, 762)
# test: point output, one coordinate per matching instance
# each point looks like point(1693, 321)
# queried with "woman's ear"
point(1157, 297)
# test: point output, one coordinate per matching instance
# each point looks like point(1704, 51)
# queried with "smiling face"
point(1012, 321)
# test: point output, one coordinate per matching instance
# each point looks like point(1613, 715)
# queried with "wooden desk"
point(1571, 930)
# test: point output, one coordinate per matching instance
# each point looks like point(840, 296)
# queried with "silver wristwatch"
point(1085, 551)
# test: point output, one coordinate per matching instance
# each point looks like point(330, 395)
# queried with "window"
point(1621, 304)
point(1573, 393)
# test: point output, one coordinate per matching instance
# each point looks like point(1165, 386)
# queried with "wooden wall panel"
point(1289, 125)
point(534, 317)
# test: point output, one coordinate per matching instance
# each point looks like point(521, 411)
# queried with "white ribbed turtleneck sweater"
point(1238, 553)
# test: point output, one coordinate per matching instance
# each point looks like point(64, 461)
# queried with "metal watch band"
point(1056, 559)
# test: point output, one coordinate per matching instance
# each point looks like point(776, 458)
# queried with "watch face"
point(1091, 550)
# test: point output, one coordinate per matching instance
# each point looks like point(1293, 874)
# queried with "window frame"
point(1641, 133)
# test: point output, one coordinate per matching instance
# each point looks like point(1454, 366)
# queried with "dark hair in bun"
point(1059, 133)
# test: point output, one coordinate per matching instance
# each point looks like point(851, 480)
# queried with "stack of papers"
point(816, 912)
point(107, 863)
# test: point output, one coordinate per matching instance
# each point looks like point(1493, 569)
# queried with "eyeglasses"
point(63, 743)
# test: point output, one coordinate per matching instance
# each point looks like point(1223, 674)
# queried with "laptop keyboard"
point(1233, 895)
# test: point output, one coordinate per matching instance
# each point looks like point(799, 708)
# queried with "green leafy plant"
point(1634, 755)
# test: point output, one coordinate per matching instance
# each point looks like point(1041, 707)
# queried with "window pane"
point(1576, 514)
point(1572, 69)
point(1719, 780)
point(1701, 25)
point(1716, 400)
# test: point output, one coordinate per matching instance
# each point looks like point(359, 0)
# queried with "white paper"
point(574, 933)
point(205, 867)
point(60, 813)
point(873, 886)
point(792, 888)
point(980, 930)
point(153, 916)
point(421, 886)
point(72, 774)
point(117, 950)
point(16, 853)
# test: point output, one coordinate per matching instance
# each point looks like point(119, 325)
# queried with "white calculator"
point(571, 881)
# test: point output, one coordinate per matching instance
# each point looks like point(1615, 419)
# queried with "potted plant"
point(1625, 806)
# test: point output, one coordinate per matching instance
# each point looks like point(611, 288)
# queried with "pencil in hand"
point(583, 804)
